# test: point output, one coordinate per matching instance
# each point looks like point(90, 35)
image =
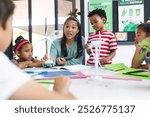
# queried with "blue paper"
point(57, 73)
point(49, 74)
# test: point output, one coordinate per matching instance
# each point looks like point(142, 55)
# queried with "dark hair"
point(78, 38)
point(99, 12)
point(19, 42)
point(6, 10)
point(145, 27)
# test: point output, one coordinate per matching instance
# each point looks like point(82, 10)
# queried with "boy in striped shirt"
point(107, 49)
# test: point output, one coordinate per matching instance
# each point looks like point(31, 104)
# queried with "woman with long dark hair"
point(68, 50)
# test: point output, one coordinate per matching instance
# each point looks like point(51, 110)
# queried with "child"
point(107, 51)
point(68, 50)
point(24, 50)
point(14, 83)
point(142, 33)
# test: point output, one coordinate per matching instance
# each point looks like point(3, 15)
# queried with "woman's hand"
point(61, 61)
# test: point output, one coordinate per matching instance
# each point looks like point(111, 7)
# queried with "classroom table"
point(101, 88)
point(111, 89)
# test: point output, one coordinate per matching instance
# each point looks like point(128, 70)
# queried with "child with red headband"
point(24, 50)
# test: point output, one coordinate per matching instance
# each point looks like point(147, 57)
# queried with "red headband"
point(20, 44)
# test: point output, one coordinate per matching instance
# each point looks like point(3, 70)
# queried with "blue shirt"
point(71, 59)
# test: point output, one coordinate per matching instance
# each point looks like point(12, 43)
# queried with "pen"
point(63, 68)
point(61, 59)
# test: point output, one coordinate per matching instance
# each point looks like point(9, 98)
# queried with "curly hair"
point(99, 12)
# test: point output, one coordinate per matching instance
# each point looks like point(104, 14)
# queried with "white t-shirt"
point(11, 77)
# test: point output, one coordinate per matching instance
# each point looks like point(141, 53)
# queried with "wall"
point(124, 54)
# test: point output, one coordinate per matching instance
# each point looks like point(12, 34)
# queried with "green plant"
point(74, 13)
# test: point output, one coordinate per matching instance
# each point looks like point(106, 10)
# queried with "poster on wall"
point(121, 36)
point(131, 14)
point(107, 6)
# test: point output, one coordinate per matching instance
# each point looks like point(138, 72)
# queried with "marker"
point(63, 68)
point(61, 59)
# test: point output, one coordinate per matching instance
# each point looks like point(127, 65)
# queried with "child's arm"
point(24, 64)
point(144, 66)
point(36, 63)
point(38, 92)
point(136, 63)
point(105, 60)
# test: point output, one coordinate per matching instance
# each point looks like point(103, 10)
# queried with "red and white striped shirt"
point(110, 43)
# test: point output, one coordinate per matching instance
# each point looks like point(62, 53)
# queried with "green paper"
point(143, 74)
point(45, 83)
point(132, 70)
point(132, 76)
point(134, 73)
point(116, 66)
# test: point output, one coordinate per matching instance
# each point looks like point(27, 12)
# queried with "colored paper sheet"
point(52, 74)
point(132, 70)
point(115, 77)
point(116, 67)
point(135, 72)
point(141, 75)
point(45, 83)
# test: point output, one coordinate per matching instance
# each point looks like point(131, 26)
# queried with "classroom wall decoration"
point(107, 6)
point(131, 14)
point(121, 36)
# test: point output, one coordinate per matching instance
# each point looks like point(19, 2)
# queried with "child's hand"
point(24, 64)
point(88, 49)
point(103, 61)
point(138, 48)
point(60, 61)
point(45, 57)
point(61, 85)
